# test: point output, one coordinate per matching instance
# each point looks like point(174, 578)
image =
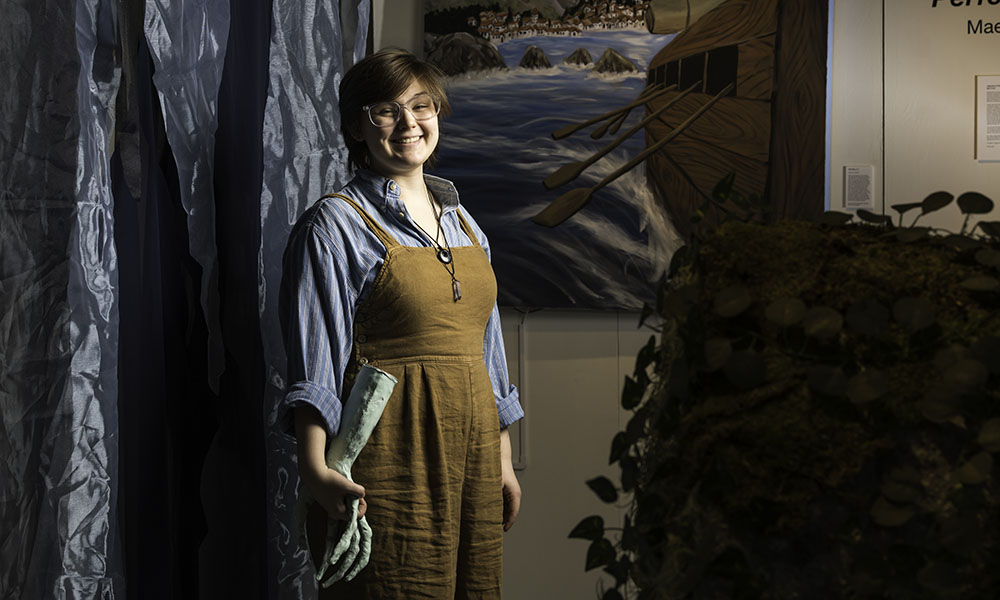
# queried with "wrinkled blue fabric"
point(313, 42)
point(187, 39)
point(58, 302)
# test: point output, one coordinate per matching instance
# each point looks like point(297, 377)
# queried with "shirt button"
point(402, 215)
point(393, 187)
point(363, 360)
point(362, 338)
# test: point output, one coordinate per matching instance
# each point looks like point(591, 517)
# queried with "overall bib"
point(431, 469)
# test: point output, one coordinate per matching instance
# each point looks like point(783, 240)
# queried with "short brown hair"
point(379, 77)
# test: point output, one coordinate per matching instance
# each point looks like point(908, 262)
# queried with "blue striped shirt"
point(330, 264)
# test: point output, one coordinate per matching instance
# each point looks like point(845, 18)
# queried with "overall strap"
point(467, 229)
point(387, 240)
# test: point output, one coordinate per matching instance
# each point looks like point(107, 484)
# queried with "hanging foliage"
point(819, 416)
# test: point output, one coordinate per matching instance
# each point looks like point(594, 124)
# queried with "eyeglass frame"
point(399, 112)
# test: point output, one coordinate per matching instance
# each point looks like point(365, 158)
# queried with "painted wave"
point(497, 148)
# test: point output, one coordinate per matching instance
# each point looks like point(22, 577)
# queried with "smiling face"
point(402, 148)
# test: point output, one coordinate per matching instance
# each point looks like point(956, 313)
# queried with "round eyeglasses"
point(384, 114)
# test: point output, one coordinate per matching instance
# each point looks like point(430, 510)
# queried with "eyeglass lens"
point(387, 113)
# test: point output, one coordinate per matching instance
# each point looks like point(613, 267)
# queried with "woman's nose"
point(406, 118)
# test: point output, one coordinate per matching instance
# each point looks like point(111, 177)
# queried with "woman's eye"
point(386, 111)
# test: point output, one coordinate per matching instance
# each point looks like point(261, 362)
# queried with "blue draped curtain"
point(153, 158)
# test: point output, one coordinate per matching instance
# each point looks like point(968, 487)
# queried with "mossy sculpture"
point(818, 418)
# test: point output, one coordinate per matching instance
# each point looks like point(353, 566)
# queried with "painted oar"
point(571, 129)
point(568, 204)
point(571, 171)
point(610, 126)
point(614, 123)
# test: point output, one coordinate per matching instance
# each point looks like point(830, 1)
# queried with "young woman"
point(393, 272)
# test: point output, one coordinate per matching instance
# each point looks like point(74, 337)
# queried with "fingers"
point(353, 489)
point(365, 531)
point(345, 539)
point(511, 499)
point(353, 548)
point(362, 507)
point(511, 508)
point(337, 500)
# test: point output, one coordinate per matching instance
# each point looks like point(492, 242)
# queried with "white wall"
point(930, 64)
point(574, 363)
point(398, 23)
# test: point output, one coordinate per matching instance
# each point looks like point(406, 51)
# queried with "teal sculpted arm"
point(360, 414)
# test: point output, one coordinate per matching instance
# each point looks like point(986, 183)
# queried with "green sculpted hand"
point(349, 551)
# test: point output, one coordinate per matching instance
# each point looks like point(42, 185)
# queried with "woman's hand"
point(331, 489)
point(511, 488)
point(334, 492)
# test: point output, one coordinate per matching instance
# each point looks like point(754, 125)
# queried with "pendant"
point(456, 289)
point(444, 255)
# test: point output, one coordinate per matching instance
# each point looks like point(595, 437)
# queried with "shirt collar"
point(384, 193)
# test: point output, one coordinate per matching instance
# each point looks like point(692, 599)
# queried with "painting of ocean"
point(497, 148)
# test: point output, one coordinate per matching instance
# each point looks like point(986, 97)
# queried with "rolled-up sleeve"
point(317, 303)
point(507, 398)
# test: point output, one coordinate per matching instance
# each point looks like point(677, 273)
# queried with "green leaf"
point(732, 301)
point(604, 489)
point(990, 228)
point(912, 234)
point(904, 208)
point(630, 473)
point(785, 312)
point(988, 257)
point(832, 217)
point(962, 535)
point(870, 217)
point(981, 284)
point(645, 357)
point(902, 485)
point(974, 203)
point(612, 594)
point(987, 351)
point(827, 380)
point(745, 369)
point(962, 242)
point(682, 257)
point(935, 201)
point(600, 553)
point(887, 514)
point(632, 393)
point(619, 446)
point(636, 426)
point(647, 311)
point(898, 491)
point(914, 314)
point(619, 570)
point(868, 317)
point(940, 402)
point(717, 353)
point(943, 580)
point(591, 528)
point(946, 357)
point(976, 470)
point(989, 436)
point(967, 373)
point(867, 386)
point(822, 322)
